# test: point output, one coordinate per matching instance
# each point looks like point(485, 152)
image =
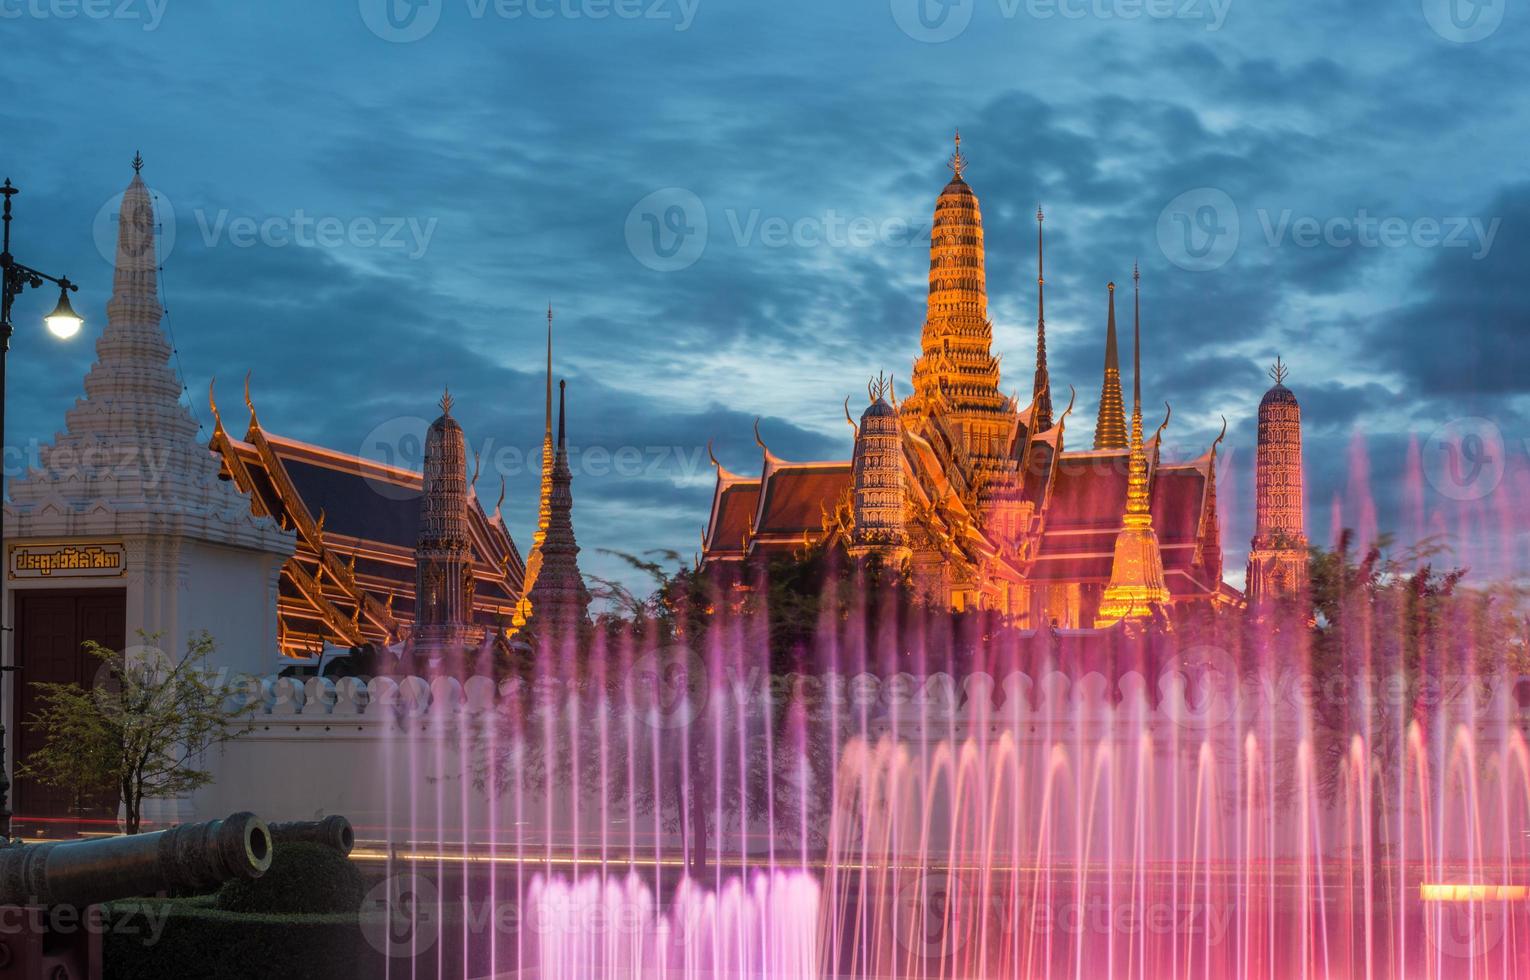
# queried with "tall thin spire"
point(1041, 391)
point(562, 440)
point(559, 599)
point(1136, 341)
point(548, 408)
point(1110, 424)
point(544, 500)
point(1136, 586)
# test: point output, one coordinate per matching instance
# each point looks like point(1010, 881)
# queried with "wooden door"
point(51, 630)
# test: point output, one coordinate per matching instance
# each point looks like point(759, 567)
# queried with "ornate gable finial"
point(137, 162)
point(878, 387)
point(1279, 371)
point(447, 401)
point(958, 162)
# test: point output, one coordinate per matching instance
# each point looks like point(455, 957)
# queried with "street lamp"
point(63, 323)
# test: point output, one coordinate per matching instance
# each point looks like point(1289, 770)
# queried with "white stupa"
point(127, 498)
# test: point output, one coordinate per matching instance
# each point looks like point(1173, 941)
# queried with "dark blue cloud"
point(522, 145)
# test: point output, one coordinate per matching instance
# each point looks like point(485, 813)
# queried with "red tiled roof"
point(795, 496)
point(733, 511)
point(1178, 494)
point(371, 515)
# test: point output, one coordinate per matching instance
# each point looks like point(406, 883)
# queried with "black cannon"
point(333, 831)
point(37, 880)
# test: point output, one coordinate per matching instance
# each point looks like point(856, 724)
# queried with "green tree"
point(142, 727)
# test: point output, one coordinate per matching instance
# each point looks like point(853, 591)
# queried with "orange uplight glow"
point(1472, 893)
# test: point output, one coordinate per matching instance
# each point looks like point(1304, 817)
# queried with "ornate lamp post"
point(63, 323)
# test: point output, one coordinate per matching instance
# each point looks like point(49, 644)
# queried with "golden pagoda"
point(978, 495)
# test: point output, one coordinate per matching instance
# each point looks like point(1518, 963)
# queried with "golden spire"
point(1137, 341)
point(446, 401)
point(1136, 572)
point(958, 162)
point(1110, 424)
point(1278, 371)
point(547, 407)
point(544, 502)
point(1041, 390)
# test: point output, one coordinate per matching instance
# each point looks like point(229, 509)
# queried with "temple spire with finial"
point(544, 501)
point(1041, 390)
point(1277, 557)
point(1110, 424)
point(137, 162)
point(1136, 341)
point(443, 552)
point(559, 599)
point(1137, 585)
point(958, 162)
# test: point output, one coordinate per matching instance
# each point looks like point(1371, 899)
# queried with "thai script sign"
point(76, 560)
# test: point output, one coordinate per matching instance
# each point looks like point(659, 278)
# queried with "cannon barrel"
point(193, 857)
point(333, 831)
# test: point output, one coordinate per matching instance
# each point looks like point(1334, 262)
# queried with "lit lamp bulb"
point(63, 322)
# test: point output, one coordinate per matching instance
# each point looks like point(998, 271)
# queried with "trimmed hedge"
point(156, 939)
point(304, 879)
point(301, 919)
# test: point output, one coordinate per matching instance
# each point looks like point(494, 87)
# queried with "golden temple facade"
point(980, 496)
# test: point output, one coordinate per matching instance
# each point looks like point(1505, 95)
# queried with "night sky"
point(728, 204)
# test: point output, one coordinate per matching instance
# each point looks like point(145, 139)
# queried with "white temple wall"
point(390, 755)
point(231, 593)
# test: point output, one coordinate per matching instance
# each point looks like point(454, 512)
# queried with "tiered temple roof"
point(993, 494)
point(352, 578)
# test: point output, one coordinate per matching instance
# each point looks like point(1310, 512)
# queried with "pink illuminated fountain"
point(1190, 806)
